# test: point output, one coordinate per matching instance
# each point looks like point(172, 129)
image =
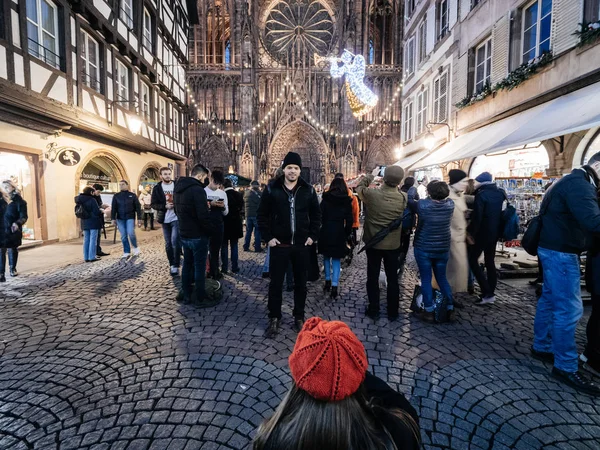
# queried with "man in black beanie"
point(289, 219)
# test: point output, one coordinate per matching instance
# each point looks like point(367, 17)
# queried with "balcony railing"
point(45, 54)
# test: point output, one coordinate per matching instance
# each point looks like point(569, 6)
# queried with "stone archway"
point(110, 170)
point(300, 137)
point(214, 154)
point(150, 174)
point(380, 153)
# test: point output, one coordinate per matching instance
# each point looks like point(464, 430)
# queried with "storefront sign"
point(69, 157)
point(94, 177)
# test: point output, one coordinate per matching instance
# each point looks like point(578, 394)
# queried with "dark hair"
point(409, 181)
point(339, 175)
point(124, 181)
point(217, 176)
point(198, 169)
point(470, 190)
point(438, 190)
point(227, 183)
point(162, 169)
point(88, 190)
point(304, 423)
point(594, 159)
point(338, 187)
point(98, 187)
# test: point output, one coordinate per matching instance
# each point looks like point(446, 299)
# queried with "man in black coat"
point(251, 202)
point(289, 219)
point(125, 208)
point(98, 189)
point(570, 221)
point(195, 225)
point(485, 230)
point(233, 227)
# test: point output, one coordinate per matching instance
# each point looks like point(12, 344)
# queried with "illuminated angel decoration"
point(360, 98)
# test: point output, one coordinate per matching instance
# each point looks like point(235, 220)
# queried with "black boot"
point(576, 381)
point(327, 286)
point(272, 328)
point(298, 324)
point(334, 292)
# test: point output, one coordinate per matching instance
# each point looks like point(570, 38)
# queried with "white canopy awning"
point(573, 112)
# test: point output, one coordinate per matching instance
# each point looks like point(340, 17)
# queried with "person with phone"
point(217, 199)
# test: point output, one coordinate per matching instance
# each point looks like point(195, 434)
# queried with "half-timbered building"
point(91, 91)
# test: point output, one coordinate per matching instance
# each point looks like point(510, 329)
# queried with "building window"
point(90, 58)
point(146, 101)
point(408, 121)
point(474, 3)
point(176, 131)
point(483, 65)
point(440, 98)
point(126, 13)
point(537, 25)
point(409, 57)
point(422, 41)
point(162, 115)
point(409, 7)
point(122, 83)
point(421, 122)
point(42, 31)
point(147, 30)
point(371, 52)
point(227, 54)
point(591, 11)
point(442, 18)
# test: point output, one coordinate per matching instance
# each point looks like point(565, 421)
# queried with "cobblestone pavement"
point(101, 356)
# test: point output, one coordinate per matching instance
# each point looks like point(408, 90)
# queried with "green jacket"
point(383, 206)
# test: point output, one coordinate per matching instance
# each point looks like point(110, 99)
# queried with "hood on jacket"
point(336, 197)
point(184, 183)
point(83, 197)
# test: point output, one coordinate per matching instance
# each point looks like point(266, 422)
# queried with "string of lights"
point(311, 119)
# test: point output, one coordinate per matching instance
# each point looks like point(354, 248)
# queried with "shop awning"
point(567, 114)
point(410, 160)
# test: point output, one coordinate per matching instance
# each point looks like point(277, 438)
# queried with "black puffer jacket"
point(336, 216)
point(191, 207)
point(16, 212)
point(486, 218)
point(233, 226)
point(433, 228)
point(125, 206)
point(90, 204)
point(275, 213)
point(159, 202)
point(572, 216)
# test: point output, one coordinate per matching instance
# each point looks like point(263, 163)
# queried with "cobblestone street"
point(101, 356)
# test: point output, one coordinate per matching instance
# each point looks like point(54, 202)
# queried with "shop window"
point(126, 12)
point(147, 38)
point(408, 122)
point(442, 18)
point(591, 11)
point(409, 57)
point(162, 115)
point(42, 31)
point(421, 122)
point(20, 170)
point(537, 25)
point(440, 98)
point(483, 65)
point(146, 98)
point(422, 33)
point(122, 83)
point(90, 58)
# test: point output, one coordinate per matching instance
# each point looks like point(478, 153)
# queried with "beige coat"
point(457, 270)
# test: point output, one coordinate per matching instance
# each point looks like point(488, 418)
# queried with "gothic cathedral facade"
point(259, 71)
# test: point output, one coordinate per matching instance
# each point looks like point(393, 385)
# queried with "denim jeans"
point(267, 260)
point(90, 239)
point(559, 308)
point(437, 263)
point(336, 264)
point(252, 224)
point(172, 242)
point(13, 256)
point(127, 231)
point(195, 252)
point(233, 243)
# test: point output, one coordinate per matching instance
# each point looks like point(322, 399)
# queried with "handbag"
point(531, 238)
point(417, 300)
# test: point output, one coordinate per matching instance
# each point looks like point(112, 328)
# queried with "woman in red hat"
point(334, 403)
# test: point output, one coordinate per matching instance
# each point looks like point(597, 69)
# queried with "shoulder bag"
point(531, 238)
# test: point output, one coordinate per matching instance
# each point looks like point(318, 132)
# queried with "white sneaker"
point(136, 251)
point(486, 300)
point(125, 255)
point(174, 270)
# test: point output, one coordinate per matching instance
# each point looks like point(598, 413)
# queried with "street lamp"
point(135, 124)
point(429, 140)
point(398, 152)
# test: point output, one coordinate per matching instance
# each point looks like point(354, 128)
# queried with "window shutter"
point(516, 49)
point(452, 13)
point(443, 111)
point(500, 48)
point(568, 13)
point(431, 22)
point(471, 71)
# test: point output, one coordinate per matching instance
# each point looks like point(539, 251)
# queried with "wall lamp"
point(430, 138)
point(134, 121)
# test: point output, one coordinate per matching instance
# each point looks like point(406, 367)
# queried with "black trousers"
point(390, 265)
point(216, 240)
point(280, 258)
point(592, 348)
point(488, 283)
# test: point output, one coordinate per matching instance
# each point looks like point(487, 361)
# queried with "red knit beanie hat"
point(328, 361)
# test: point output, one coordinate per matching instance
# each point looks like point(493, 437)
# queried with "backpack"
point(81, 212)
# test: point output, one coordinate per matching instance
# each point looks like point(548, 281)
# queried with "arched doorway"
point(103, 168)
point(214, 154)
point(303, 139)
point(150, 175)
point(380, 153)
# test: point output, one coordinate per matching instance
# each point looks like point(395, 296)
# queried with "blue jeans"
point(172, 242)
point(337, 265)
point(437, 263)
point(559, 308)
point(195, 252)
point(252, 224)
point(90, 238)
point(233, 243)
point(267, 259)
point(127, 232)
